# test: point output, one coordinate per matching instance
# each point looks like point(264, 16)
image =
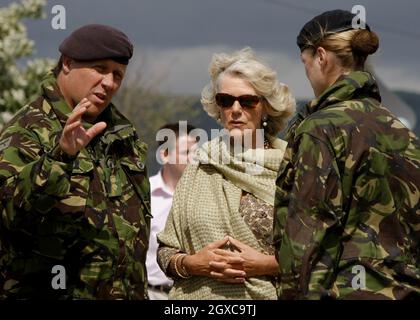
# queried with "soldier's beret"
point(96, 42)
point(334, 21)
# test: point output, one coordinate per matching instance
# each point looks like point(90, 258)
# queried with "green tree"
point(19, 83)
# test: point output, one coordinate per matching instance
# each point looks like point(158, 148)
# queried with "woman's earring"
point(264, 119)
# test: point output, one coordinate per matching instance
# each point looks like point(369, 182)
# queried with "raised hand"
point(75, 137)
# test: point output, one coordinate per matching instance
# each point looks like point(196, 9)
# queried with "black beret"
point(334, 21)
point(96, 42)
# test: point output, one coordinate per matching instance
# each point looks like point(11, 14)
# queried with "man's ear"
point(66, 64)
point(163, 154)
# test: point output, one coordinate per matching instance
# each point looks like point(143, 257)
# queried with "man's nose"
point(108, 80)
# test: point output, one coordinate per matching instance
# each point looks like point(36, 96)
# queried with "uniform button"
point(110, 163)
point(140, 164)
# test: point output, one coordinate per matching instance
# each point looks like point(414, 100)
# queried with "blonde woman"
point(217, 243)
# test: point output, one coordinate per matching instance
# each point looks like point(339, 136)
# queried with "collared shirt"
point(161, 202)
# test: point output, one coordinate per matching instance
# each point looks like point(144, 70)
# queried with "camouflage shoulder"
point(319, 119)
point(33, 114)
point(334, 116)
point(141, 146)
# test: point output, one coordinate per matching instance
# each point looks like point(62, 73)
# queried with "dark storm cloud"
point(265, 25)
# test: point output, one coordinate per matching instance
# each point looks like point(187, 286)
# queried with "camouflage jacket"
point(347, 219)
point(90, 214)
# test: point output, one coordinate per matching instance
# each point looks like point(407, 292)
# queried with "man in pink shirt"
point(173, 156)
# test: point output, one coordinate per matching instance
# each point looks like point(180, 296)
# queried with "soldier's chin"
point(92, 113)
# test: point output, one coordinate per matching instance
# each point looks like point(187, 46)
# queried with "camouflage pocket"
point(80, 183)
point(138, 178)
point(361, 247)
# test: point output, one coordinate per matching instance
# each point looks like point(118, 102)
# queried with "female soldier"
point(347, 222)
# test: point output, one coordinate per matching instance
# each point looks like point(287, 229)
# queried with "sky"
point(175, 39)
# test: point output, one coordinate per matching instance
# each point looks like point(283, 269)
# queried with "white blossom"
point(19, 82)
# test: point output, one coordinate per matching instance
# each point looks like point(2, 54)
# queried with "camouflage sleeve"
point(32, 175)
point(308, 207)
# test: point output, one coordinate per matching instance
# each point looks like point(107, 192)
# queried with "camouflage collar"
point(118, 127)
point(355, 85)
point(53, 95)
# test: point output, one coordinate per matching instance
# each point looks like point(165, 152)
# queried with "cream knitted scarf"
point(206, 208)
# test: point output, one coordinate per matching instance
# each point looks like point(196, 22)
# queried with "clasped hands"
point(229, 266)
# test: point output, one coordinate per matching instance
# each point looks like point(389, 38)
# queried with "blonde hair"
point(278, 102)
point(352, 47)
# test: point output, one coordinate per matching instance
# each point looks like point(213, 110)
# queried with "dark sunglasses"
point(225, 100)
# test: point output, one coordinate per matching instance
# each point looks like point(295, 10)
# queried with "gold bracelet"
point(179, 274)
point(182, 267)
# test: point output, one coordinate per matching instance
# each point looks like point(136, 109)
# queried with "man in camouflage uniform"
point(73, 185)
point(347, 220)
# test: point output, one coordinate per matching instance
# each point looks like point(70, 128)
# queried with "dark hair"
point(175, 128)
point(59, 66)
point(364, 42)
